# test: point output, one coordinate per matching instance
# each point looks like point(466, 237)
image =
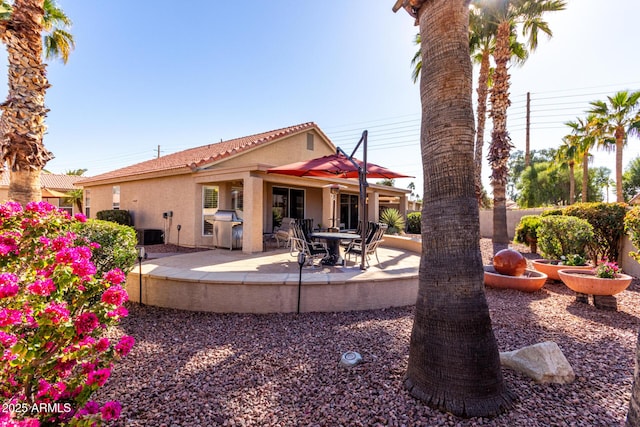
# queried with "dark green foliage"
point(548, 212)
point(564, 235)
point(632, 227)
point(527, 228)
point(546, 182)
point(116, 215)
point(527, 231)
point(631, 179)
point(117, 244)
point(414, 223)
point(607, 220)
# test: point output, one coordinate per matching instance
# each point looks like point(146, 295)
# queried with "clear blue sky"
point(184, 74)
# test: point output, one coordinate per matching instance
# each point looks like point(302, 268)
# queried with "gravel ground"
point(202, 369)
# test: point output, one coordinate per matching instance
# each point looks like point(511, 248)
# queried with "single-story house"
point(180, 193)
point(55, 189)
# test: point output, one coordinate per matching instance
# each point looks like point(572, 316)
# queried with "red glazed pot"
point(509, 262)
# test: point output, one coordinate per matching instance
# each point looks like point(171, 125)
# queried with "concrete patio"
point(227, 281)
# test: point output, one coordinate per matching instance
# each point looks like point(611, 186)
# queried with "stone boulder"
point(543, 362)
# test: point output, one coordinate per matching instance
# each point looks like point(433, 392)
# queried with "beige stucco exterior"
point(180, 191)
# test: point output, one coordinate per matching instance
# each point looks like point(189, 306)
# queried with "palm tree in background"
point(526, 14)
point(482, 38)
point(569, 154)
point(25, 26)
point(451, 314)
point(76, 196)
point(585, 138)
point(614, 120)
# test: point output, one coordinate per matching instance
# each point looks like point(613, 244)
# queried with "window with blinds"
point(209, 207)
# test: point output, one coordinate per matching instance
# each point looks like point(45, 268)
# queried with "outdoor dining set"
point(323, 247)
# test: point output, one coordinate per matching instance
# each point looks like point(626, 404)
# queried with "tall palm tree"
point(507, 14)
point(22, 124)
point(451, 314)
point(482, 38)
point(616, 119)
point(581, 131)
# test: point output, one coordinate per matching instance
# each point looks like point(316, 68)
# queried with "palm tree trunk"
point(25, 186)
point(22, 123)
point(481, 113)
point(619, 146)
point(585, 176)
point(500, 140)
point(451, 313)
point(572, 184)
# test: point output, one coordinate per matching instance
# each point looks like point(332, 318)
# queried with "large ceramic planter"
point(586, 282)
point(530, 281)
point(547, 267)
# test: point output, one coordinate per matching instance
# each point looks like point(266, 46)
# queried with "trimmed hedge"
point(527, 231)
point(632, 227)
point(564, 235)
point(117, 244)
point(607, 220)
point(554, 211)
point(118, 216)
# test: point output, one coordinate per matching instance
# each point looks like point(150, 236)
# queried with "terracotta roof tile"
point(49, 180)
point(199, 156)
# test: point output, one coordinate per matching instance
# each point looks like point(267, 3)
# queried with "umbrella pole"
point(362, 176)
point(362, 180)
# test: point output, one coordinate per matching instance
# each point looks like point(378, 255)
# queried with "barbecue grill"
point(227, 229)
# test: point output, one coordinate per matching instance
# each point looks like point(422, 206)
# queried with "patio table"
point(333, 245)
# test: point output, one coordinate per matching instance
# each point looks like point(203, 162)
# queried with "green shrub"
point(555, 211)
point(607, 220)
point(117, 244)
point(564, 235)
point(527, 230)
point(573, 259)
point(632, 227)
point(118, 216)
point(414, 223)
point(393, 219)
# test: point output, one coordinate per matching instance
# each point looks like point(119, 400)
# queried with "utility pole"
point(159, 150)
point(527, 154)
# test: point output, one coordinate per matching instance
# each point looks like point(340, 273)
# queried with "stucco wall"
point(292, 149)
point(513, 218)
point(628, 264)
point(147, 199)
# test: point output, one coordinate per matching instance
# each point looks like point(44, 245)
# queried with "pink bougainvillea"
point(53, 313)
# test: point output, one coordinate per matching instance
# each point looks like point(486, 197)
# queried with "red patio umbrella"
point(335, 165)
point(339, 165)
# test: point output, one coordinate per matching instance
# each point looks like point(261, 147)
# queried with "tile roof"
point(49, 180)
point(195, 157)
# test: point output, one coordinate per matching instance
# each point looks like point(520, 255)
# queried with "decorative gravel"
point(203, 369)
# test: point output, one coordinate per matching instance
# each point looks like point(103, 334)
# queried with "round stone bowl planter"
point(586, 282)
point(530, 281)
point(545, 266)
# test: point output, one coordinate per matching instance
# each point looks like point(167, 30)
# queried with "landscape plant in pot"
point(563, 241)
